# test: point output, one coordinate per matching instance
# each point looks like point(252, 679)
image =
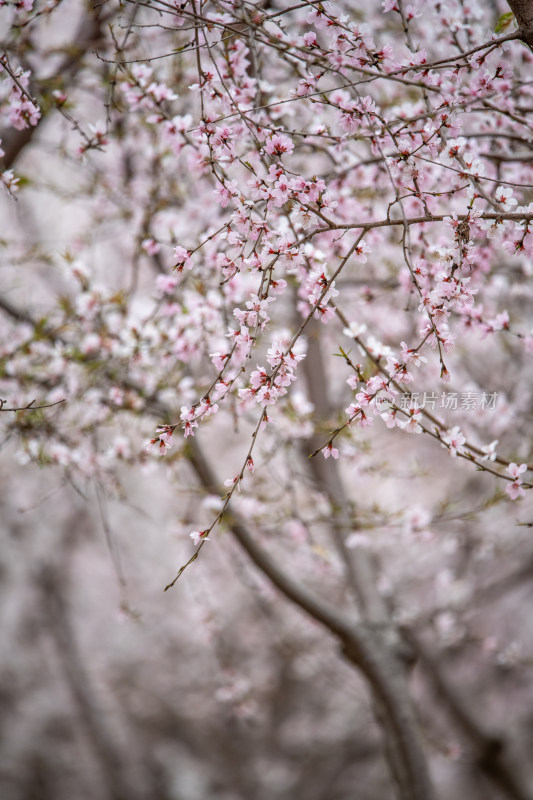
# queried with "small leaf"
point(504, 21)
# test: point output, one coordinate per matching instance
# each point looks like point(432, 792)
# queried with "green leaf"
point(504, 21)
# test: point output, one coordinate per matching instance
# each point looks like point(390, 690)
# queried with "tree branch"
point(523, 11)
point(362, 646)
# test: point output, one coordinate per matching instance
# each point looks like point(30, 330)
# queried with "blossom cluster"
point(356, 177)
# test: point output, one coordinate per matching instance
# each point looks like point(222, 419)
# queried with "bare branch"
point(30, 406)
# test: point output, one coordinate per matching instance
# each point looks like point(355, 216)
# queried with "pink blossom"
point(455, 441)
point(22, 112)
point(318, 17)
point(142, 73)
point(161, 443)
point(416, 59)
point(166, 283)
point(160, 92)
point(329, 450)
point(225, 192)
point(411, 356)
point(398, 370)
point(268, 395)
point(199, 536)
point(188, 418)
point(220, 390)
point(354, 330)
point(504, 196)
point(390, 418)
point(259, 378)
point(7, 177)
point(390, 5)
point(278, 144)
point(515, 471)
point(151, 246)
point(490, 451)
point(219, 360)
point(411, 424)
point(183, 258)
point(361, 252)
point(514, 490)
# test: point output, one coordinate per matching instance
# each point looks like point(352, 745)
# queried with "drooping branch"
point(319, 610)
